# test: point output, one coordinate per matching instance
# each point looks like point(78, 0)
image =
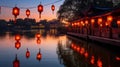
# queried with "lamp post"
point(109, 20)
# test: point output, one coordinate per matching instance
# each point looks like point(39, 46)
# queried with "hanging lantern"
point(38, 41)
point(39, 56)
point(53, 8)
point(16, 62)
point(118, 23)
point(86, 22)
point(28, 12)
point(82, 50)
point(17, 45)
point(40, 10)
point(16, 12)
point(17, 37)
point(92, 21)
point(100, 20)
point(27, 53)
point(109, 18)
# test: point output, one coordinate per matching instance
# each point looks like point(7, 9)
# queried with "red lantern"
point(28, 12)
point(86, 54)
point(16, 12)
point(109, 18)
point(53, 8)
point(27, 53)
point(17, 37)
point(17, 45)
point(100, 20)
point(40, 10)
point(38, 35)
point(39, 56)
point(16, 62)
point(38, 41)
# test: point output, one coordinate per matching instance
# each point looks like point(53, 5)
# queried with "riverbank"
point(96, 39)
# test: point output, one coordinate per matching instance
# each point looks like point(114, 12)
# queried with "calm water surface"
point(52, 50)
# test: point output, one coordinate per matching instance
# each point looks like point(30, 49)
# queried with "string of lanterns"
point(40, 8)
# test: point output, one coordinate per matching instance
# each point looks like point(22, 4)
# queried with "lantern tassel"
point(39, 15)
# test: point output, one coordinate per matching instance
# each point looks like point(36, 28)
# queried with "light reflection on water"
point(40, 48)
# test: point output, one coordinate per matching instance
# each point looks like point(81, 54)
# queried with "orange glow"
point(86, 22)
point(28, 12)
point(38, 41)
point(75, 47)
point(118, 22)
point(81, 22)
point(27, 54)
point(86, 54)
point(78, 48)
point(99, 20)
point(101, 25)
point(92, 20)
point(38, 35)
point(17, 37)
point(92, 60)
point(15, 11)
point(99, 63)
point(106, 24)
point(17, 45)
point(118, 58)
point(109, 18)
point(53, 7)
point(39, 56)
point(82, 50)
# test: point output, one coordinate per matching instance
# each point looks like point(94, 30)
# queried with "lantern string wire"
point(33, 6)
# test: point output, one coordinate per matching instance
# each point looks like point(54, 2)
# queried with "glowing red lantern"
point(27, 53)
point(38, 35)
point(16, 12)
point(53, 8)
point(118, 22)
point(28, 12)
point(16, 62)
point(39, 56)
point(82, 50)
point(40, 10)
point(17, 45)
point(17, 37)
point(38, 41)
point(86, 22)
point(92, 21)
point(109, 18)
point(100, 20)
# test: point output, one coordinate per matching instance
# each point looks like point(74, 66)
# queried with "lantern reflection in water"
point(99, 63)
point(38, 41)
point(17, 37)
point(27, 54)
point(16, 62)
point(39, 55)
point(92, 60)
point(17, 45)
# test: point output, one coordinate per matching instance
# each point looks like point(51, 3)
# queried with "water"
point(52, 50)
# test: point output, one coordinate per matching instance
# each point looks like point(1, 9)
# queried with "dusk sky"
point(6, 13)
